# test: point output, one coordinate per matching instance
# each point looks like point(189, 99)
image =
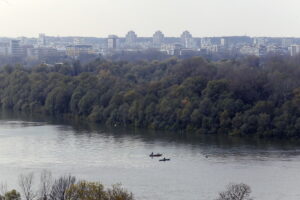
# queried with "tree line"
point(62, 188)
point(246, 96)
point(69, 188)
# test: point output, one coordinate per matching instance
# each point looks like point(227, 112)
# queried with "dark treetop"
point(240, 97)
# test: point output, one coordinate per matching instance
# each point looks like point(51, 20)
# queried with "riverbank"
point(233, 97)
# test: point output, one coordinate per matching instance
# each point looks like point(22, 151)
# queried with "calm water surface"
point(272, 169)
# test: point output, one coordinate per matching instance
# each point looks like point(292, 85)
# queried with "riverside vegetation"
point(245, 96)
point(68, 188)
point(63, 188)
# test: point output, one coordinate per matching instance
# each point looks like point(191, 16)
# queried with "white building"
point(187, 40)
point(131, 39)
point(260, 41)
point(4, 48)
point(42, 40)
point(15, 49)
point(275, 49)
point(286, 42)
point(294, 50)
point(224, 42)
point(158, 39)
point(205, 42)
point(171, 49)
point(113, 42)
point(253, 50)
point(213, 48)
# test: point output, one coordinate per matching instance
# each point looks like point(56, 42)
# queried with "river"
point(200, 166)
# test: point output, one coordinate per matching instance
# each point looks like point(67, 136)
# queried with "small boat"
point(155, 155)
point(164, 159)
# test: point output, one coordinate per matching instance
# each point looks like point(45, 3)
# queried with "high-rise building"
point(4, 48)
point(158, 39)
point(131, 38)
point(286, 42)
point(224, 42)
point(294, 50)
point(113, 42)
point(260, 41)
point(205, 42)
point(187, 40)
point(42, 40)
point(15, 48)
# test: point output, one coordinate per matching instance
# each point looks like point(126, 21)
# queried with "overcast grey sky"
point(102, 17)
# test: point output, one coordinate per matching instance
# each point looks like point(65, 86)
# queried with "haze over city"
point(100, 18)
point(149, 99)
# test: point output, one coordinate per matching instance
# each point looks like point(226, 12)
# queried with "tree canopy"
point(245, 96)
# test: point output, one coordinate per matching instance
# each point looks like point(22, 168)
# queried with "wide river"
point(199, 169)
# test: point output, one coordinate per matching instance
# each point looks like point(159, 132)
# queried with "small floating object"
point(155, 155)
point(164, 159)
point(206, 156)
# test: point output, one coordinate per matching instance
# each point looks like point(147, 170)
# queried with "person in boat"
point(155, 155)
point(165, 159)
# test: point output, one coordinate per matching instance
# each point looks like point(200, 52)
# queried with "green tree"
point(12, 195)
point(86, 191)
point(119, 193)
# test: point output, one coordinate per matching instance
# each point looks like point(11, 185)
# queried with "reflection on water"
point(111, 155)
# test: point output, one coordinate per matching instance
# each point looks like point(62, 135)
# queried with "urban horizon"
point(52, 49)
point(123, 35)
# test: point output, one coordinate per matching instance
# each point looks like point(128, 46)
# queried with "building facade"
point(158, 39)
point(15, 49)
point(294, 50)
point(75, 51)
point(131, 39)
point(187, 40)
point(113, 42)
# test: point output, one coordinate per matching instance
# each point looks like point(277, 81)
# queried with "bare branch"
point(3, 189)
point(236, 192)
point(60, 187)
point(26, 185)
point(45, 185)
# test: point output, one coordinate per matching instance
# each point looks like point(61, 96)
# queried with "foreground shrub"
point(12, 195)
point(86, 191)
point(63, 188)
point(236, 192)
point(119, 193)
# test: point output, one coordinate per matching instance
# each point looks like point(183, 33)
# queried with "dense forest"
point(246, 96)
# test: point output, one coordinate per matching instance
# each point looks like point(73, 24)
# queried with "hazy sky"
point(102, 17)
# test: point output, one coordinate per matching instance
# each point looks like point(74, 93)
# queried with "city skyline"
point(137, 35)
point(99, 18)
point(45, 47)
